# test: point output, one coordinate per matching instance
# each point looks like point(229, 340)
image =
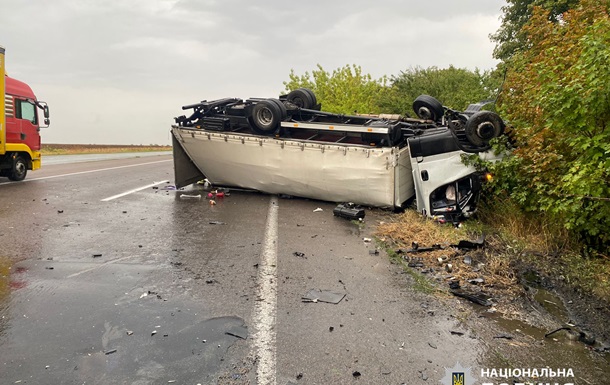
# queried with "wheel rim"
point(264, 116)
point(20, 168)
point(424, 113)
point(486, 130)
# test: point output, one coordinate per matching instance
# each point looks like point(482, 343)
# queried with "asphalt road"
point(109, 277)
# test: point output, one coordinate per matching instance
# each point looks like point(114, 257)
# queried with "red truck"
point(19, 126)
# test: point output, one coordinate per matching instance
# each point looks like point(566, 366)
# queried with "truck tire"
point(483, 126)
point(428, 108)
point(266, 117)
point(302, 98)
point(313, 98)
point(19, 168)
point(283, 111)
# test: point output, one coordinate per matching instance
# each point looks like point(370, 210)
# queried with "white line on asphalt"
point(100, 265)
point(133, 191)
point(87, 172)
point(265, 309)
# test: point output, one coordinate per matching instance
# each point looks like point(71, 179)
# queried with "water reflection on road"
point(65, 159)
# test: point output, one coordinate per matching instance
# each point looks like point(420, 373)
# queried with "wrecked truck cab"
point(290, 146)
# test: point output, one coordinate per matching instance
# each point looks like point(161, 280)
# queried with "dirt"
point(524, 307)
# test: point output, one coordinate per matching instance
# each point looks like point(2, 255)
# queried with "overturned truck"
point(290, 146)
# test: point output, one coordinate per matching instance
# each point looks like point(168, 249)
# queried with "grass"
point(515, 242)
point(72, 149)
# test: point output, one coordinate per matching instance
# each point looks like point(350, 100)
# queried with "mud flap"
point(185, 171)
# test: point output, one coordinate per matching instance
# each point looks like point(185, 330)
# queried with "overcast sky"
point(118, 71)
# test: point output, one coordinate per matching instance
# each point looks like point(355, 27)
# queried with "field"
point(69, 149)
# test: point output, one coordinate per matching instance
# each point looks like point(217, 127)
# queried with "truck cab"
point(19, 127)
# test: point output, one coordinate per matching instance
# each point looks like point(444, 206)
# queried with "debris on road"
point(153, 333)
point(349, 211)
point(356, 374)
point(217, 223)
point(299, 254)
point(129, 332)
point(318, 210)
point(316, 295)
point(187, 196)
point(238, 331)
point(97, 255)
point(504, 336)
point(456, 333)
point(110, 351)
point(433, 346)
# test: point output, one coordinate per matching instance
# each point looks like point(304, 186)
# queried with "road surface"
point(109, 276)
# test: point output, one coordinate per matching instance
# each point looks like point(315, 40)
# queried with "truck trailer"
point(290, 146)
point(19, 126)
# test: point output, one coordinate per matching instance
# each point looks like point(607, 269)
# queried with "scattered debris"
point(433, 346)
point(60, 211)
point(49, 268)
point(212, 202)
point(299, 254)
point(367, 240)
point(217, 223)
point(153, 333)
point(374, 252)
point(316, 295)
point(331, 328)
point(97, 255)
point(454, 285)
point(356, 374)
point(238, 331)
point(448, 268)
point(187, 196)
point(456, 333)
point(468, 260)
point(107, 352)
point(476, 244)
point(415, 248)
point(477, 298)
point(144, 295)
point(318, 210)
point(349, 211)
point(129, 332)
point(476, 281)
point(299, 376)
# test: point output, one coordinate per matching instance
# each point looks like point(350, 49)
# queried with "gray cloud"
point(117, 71)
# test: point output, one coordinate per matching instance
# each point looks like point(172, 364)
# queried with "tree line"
point(552, 86)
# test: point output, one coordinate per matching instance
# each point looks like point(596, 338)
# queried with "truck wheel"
point(283, 111)
point(19, 169)
point(301, 97)
point(428, 108)
point(314, 99)
point(266, 117)
point(482, 127)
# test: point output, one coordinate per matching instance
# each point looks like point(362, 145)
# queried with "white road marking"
point(266, 306)
point(87, 172)
point(133, 191)
point(100, 265)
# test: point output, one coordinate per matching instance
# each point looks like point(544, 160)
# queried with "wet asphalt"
point(154, 287)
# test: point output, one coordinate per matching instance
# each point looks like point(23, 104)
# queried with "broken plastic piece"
point(316, 295)
point(238, 331)
point(349, 211)
point(480, 299)
point(319, 209)
point(187, 196)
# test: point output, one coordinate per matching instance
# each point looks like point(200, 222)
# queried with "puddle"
point(532, 347)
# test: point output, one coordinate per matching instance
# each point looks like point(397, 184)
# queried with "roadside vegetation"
point(548, 206)
point(71, 149)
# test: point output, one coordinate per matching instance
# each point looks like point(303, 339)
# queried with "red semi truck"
point(19, 126)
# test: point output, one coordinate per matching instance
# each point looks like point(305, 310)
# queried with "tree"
point(510, 38)
point(558, 100)
point(346, 90)
point(453, 87)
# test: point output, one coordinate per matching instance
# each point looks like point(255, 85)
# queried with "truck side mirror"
point(46, 113)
